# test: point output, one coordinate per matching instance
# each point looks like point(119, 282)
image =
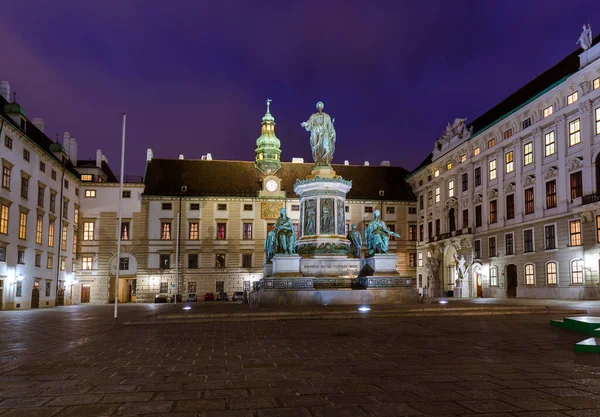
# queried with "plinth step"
point(584, 324)
point(591, 345)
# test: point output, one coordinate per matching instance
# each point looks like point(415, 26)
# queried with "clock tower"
point(267, 151)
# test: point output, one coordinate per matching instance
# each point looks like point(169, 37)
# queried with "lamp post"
point(120, 215)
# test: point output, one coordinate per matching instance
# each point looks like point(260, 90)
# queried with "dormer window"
point(476, 151)
point(548, 111)
point(436, 173)
point(572, 98)
point(491, 142)
point(448, 166)
point(86, 177)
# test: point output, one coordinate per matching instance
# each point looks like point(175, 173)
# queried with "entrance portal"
point(511, 281)
point(85, 294)
point(35, 297)
point(478, 284)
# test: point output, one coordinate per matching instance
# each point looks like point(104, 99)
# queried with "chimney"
point(385, 164)
point(297, 160)
point(73, 151)
point(149, 155)
point(209, 157)
point(67, 144)
point(5, 90)
point(346, 162)
point(181, 156)
point(39, 123)
point(99, 158)
point(203, 158)
point(366, 163)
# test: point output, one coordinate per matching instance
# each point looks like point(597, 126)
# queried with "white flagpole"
point(120, 216)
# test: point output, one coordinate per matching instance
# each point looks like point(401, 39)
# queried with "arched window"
point(494, 276)
point(529, 274)
point(551, 273)
point(420, 280)
point(577, 271)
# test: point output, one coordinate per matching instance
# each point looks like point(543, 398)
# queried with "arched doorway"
point(477, 279)
point(35, 297)
point(449, 271)
point(511, 281)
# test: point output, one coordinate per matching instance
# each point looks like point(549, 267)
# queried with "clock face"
point(271, 185)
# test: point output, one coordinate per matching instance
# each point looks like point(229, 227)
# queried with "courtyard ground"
point(75, 361)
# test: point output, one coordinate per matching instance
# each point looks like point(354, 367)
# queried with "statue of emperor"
point(322, 136)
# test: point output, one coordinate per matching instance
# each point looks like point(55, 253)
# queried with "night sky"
point(193, 76)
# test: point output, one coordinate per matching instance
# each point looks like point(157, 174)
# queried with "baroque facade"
point(516, 193)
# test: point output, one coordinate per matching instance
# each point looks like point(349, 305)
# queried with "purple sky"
point(193, 76)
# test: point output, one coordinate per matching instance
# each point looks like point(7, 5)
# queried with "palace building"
point(516, 192)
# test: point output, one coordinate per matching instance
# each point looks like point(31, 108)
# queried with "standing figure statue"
point(356, 240)
point(285, 232)
point(461, 267)
point(310, 218)
point(322, 136)
point(270, 246)
point(585, 39)
point(378, 235)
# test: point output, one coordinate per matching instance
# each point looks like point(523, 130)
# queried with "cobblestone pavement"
point(74, 361)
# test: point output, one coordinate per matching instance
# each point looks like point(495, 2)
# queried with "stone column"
point(561, 143)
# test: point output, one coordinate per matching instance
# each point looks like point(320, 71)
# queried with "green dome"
point(56, 147)
point(13, 108)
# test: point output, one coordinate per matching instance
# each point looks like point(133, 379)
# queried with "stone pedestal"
point(383, 264)
point(458, 289)
point(267, 270)
point(330, 266)
point(286, 266)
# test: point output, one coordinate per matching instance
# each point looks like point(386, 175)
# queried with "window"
point(465, 182)
point(48, 288)
point(24, 187)
point(220, 261)
point(509, 244)
point(193, 261)
point(123, 264)
point(65, 211)
point(436, 173)
point(491, 142)
point(166, 206)
point(572, 98)
point(598, 229)
point(165, 231)
point(368, 209)
point(551, 194)
point(476, 151)
point(438, 229)
point(598, 121)
point(50, 262)
point(494, 276)
point(126, 194)
point(194, 233)
point(478, 220)
point(548, 111)
point(8, 142)
point(221, 231)
point(492, 247)
point(125, 230)
point(196, 207)
point(448, 166)
point(90, 194)
point(21, 256)
point(465, 218)
point(42, 167)
point(528, 240)
point(53, 174)
point(420, 259)
point(247, 207)
point(347, 211)
point(22, 225)
point(26, 155)
point(429, 198)
point(412, 232)
point(575, 233)
point(51, 234)
point(19, 291)
point(477, 249)
point(247, 232)
point(75, 241)
point(4, 219)
point(38, 260)
point(75, 216)
point(574, 132)
point(412, 260)
point(526, 123)
point(247, 260)
point(493, 211)
point(165, 260)
point(412, 210)
point(549, 143)
point(577, 271)
point(390, 210)
point(422, 232)
point(529, 274)
point(529, 201)
point(2, 254)
point(421, 202)
point(550, 236)
point(437, 194)
point(528, 151)
point(88, 230)
point(596, 83)
point(41, 192)
point(63, 240)
point(52, 202)
point(508, 158)
point(463, 157)
point(221, 207)
point(6, 177)
point(430, 229)
point(551, 273)
point(451, 188)
point(507, 134)
point(164, 287)
point(38, 228)
point(192, 287)
point(66, 184)
point(510, 206)
point(493, 169)
point(86, 177)
point(576, 185)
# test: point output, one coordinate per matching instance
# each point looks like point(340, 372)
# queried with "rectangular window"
point(19, 290)
point(550, 237)
point(436, 173)
point(412, 210)
point(221, 231)
point(126, 194)
point(50, 262)
point(508, 158)
point(528, 240)
point(451, 188)
point(420, 259)
point(572, 98)
point(492, 246)
point(48, 288)
point(493, 211)
point(476, 151)
point(526, 123)
point(21, 257)
point(465, 218)
point(248, 207)
point(507, 134)
point(41, 191)
point(42, 167)
point(491, 142)
point(493, 169)
point(576, 185)
point(422, 232)
point(478, 219)
point(194, 206)
point(192, 287)
point(494, 276)
point(529, 201)
point(421, 202)
point(2, 255)
point(437, 194)
point(166, 206)
point(22, 225)
point(430, 229)
point(463, 157)
point(598, 121)
point(510, 206)
point(477, 249)
point(509, 244)
point(8, 142)
point(549, 143)
point(65, 211)
point(194, 232)
point(247, 260)
point(247, 232)
point(465, 182)
point(6, 171)
point(75, 216)
point(124, 264)
point(4, 219)
point(39, 229)
point(295, 207)
point(368, 209)
point(165, 260)
point(26, 155)
point(529, 274)
point(125, 230)
point(438, 229)
point(24, 187)
point(575, 233)
point(596, 83)
point(165, 231)
point(577, 271)
point(88, 230)
point(164, 287)
point(52, 202)
point(220, 261)
point(38, 260)
point(86, 177)
point(63, 240)
point(574, 132)
point(221, 207)
point(51, 234)
point(75, 241)
point(598, 229)
point(551, 274)
point(548, 111)
point(193, 261)
point(390, 210)
point(90, 194)
point(412, 260)
point(551, 194)
point(53, 174)
point(477, 176)
point(412, 232)
point(528, 152)
point(448, 166)
point(429, 198)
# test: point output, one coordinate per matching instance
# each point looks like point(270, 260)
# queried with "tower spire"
point(268, 150)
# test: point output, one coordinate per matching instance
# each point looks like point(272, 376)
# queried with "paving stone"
point(76, 399)
point(94, 410)
point(252, 402)
point(24, 402)
point(390, 410)
point(201, 405)
point(145, 408)
point(284, 412)
point(33, 412)
point(302, 401)
point(228, 413)
point(127, 397)
point(225, 393)
point(439, 407)
point(535, 404)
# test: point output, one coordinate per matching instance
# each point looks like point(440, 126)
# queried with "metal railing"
point(448, 235)
point(590, 198)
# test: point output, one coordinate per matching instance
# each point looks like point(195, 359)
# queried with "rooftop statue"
point(322, 136)
point(281, 239)
point(378, 235)
point(585, 39)
point(458, 128)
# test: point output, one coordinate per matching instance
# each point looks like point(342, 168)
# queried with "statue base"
point(383, 264)
point(308, 246)
point(303, 297)
point(286, 266)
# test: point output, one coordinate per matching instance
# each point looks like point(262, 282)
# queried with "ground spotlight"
point(443, 302)
point(364, 309)
point(187, 308)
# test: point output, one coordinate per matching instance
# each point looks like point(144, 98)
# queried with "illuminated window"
point(551, 273)
point(194, 233)
point(165, 231)
point(507, 133)
point(420, 259)
point(437, 194)
point(63, 263)
point(463, 157)
point(493, 211)
point(528, 151)
point(4, 219)
point(63, 244)
point(577, 271)
point(508, 157)
point(494, 276)
point(86, 177)
point(598, 229)
point(23, 225)
point(221, 231)
point(90, 193)
point(451, 188)
point(412, 232)
point(51, 234)
point(448, 166)
point(548, 111)
point(529, 201)
point(576, 185)
point(6, 171)
point(38, 229)
point(574, 132)
point(575, 233)
point(476, 151)
point(549, 143)
point(491, 142)
point(75, 241)
point(436, 173)
point(572, 98)
point(75, 216)
point(551, 194)
point(125, 230)
point(493, 169)
point(596, 83)
point(49, 262)
point(529, 274)
point(88, 230)
point(220, 261)
point(598, 121)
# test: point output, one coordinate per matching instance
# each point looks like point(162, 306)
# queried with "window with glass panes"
point(429, 198)
point(548, 111)
point(550, 236)
point(549, 144)
point(24, 187)
point(220, 261)
point(551, 275)
point(510, 206)
point(194, 232)
point(247, 260)
point(598, 121)
point(477, 249)
point(598, 229)
point(247, 235)
point(125, 230)
point(192, 287)
point(576, 185)
point(574, 132)
point(421, 202)
point(596, 83)
point(477, 176)
point(508, 158)
point(577, 271)
point(39, 229)
point(451, 188)
point(575, 233)
point(491, 142)
point(478, 219)
point(192, 261)
point(123, 264)
point(421, 232)
point(465, 182)
point(221, 231)
point(165, 231)
point(51, 233)
point(412, 259)
point(529, 201)
point(22, 225)
point(551, 194)
point(6, 171)
point(493, 169)
point(494, 276)
point(63, 239)
point(493, 211)
point(509, 243)
point(492, 247)
point(528, 240)
point(528, 153)
point(412, 232)
point(437, 194)
point(465, 218)
point(529, 274)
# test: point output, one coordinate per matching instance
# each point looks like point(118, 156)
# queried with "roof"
point(164, 177)
point(90, 163)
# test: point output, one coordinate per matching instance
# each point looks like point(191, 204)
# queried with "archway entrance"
point(511, 281)
point(35, 297)
point(85, 294)
point(477, 279)
point(449, 271)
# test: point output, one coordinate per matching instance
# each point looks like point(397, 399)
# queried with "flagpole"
point(120, 216)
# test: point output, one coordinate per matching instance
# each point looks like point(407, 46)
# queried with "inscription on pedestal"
point(341, 268)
